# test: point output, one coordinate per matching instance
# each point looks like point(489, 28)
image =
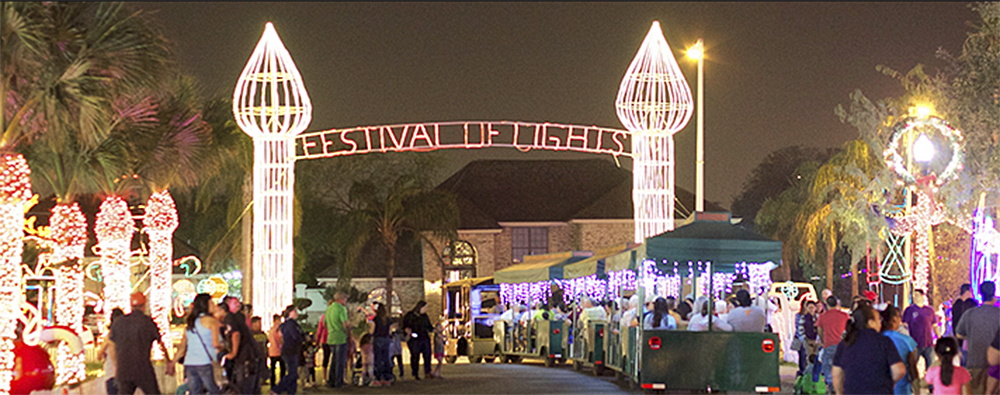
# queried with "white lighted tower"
point(654, 102)
point(271, 105)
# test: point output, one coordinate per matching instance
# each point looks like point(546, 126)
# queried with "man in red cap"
point(133, 335)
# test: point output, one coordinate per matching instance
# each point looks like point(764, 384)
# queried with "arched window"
point(460, 260)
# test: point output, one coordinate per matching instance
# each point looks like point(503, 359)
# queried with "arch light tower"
point(271, 105)
point(654, 102)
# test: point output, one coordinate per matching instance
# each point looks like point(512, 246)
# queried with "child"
point(396, 351)
point(307, 370)
point(367, 358)
point(438, 348)
point(947, 378)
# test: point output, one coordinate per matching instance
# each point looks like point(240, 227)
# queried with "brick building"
point(512, 208)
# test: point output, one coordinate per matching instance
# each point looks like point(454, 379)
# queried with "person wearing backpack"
point(291, 350)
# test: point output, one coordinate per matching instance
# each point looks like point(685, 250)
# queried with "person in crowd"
point(438, 349)
point(684, 308)
point(242, 352)
point(699, 318)
point(830, 328)
point(946, 378)
point(920, 321)
point(381, 328)
point(396, 349)
point(672, 309)
point(134, 335)
point(200, 344)
point(964, 302)
point(418, 328)
point(274, 350)
point(805, 332)
point(993, 373)
point(338, 328)
point(106, 354)
point(905, 345)
point(591, 313)
point(544, 313)
point(866, 362)
point(512, 312)
point(291, 351)
point(309, 350)
point(367, 360)
point(660, 318)
point(260, 339)
point(978, 327)
point(745, 317)
point(321, 341)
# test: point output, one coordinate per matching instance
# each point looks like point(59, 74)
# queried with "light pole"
point(697, 52)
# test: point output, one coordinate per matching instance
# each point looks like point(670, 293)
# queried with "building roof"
point(373, 263)
point(493, 191)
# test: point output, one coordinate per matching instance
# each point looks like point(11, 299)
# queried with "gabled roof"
point(494, 191)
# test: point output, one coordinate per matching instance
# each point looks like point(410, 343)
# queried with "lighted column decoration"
point(985, 263)
point(271, 105)
point(15, 191)
point(927, 214)
point(114, 228)
point(68, 232)
point(159, 223)
point(654, 102)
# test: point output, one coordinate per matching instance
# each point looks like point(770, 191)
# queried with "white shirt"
point(699, 322)
point(746, 319)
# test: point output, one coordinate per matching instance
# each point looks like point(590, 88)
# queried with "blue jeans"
point(827, 359)
point(928, 354)
point(200, 379)
point(290, 381)
point(383, 366)
point(338, 365)
point(111, 386)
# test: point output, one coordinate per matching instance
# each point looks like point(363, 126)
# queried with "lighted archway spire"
point(271, 105)
point(654, 102)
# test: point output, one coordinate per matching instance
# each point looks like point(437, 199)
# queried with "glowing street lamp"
point(697, 52)
point(271, 105)
point(923, 149)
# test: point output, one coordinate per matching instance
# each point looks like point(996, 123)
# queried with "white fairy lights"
point(15, 191)
point(114, 228)
point(271, 105)
point(927, 214)
point(654, 102)
point(68, 233)
point(159, 223)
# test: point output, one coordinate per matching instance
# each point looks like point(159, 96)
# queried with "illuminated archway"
point(271, 105)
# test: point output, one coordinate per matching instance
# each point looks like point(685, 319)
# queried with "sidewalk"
point(95, 386)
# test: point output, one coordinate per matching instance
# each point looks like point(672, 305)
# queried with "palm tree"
point(386, 212)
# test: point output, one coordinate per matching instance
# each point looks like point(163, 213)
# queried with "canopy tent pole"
point(711, 295)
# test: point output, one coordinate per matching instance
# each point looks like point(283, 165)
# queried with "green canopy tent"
point(537, 268)
point(604, 261)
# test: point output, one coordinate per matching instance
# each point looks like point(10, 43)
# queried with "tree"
point(777, 218)
point(773, 175)
point(385, 209)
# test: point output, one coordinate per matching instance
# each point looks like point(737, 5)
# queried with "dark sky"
point(774, 71)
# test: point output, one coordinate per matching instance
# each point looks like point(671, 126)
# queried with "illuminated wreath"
point(895, 161)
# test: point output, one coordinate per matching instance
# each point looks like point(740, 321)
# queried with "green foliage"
point(776, 173)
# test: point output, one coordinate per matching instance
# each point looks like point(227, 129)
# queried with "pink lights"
point(159, 223)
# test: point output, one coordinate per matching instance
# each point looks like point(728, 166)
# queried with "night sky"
point(774, 72)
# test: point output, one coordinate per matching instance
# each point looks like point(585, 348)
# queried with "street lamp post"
point(697, 52)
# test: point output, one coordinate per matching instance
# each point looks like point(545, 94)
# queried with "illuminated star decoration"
point(271, 105)
point(15, 191)
point(654, 102)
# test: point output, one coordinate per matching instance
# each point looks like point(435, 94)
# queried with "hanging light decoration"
point(927, 214)
point(68, 237)
point(271, 105)
point(654, 102)
point(159, 223)
point(114, 228)
point(15, 191)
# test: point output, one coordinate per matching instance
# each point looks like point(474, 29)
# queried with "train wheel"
point(619, 377)
point(577, 365)
point(476, 359)
point(598, 370)
point(550, 362)
point(490, 359)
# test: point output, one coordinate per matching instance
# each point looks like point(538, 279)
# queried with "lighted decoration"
point(114, 228)
point(894, 269)
point(271, 105)
point(159, 223)
point(654, 102)
point(923, 148)
point(68, 237)
point(984, 262)
point(185, 293)
point(927, 214)
point(15, 192)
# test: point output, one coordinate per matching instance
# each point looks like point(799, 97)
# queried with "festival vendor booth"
point(710, 251)
point(592, 278)
point(530, 283)
point(471, 305)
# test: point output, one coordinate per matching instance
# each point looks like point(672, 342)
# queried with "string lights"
point(984, 264)
point(114, 228)
point(927, 214)
point(15, 191)
point(654, 102)
point(159, 223)
point(68, 237)
point(271, 105)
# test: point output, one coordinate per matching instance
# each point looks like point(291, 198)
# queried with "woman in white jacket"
point(699, 318)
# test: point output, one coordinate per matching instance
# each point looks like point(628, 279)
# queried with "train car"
point(530, 283)
point(712, 361)
point(470, 306)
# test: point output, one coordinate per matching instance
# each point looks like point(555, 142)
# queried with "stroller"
point(811, 382)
